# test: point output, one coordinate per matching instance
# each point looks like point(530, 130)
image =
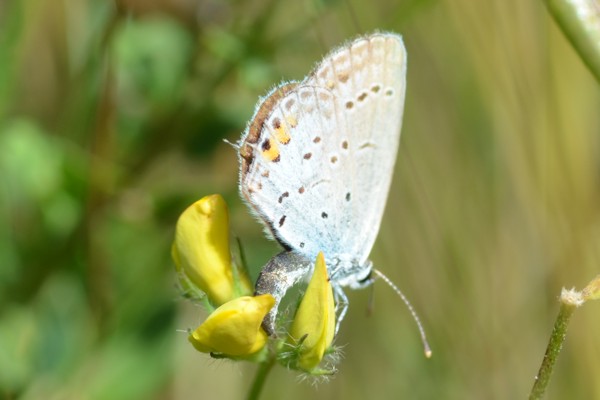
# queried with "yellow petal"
point(234, 328)
point(315, 318)
point(201, 248)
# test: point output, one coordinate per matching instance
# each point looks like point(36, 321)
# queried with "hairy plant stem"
point(554, 346)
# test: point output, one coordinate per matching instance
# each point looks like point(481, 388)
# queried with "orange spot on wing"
point(270, 151)
point(282, 135)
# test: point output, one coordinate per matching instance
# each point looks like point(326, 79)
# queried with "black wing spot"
point(348, 196)
point(283, 196)
point(266, 145)
point(324, 215)
point(281, 221)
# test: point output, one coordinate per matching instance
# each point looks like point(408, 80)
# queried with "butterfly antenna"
point(234, 145)
point(395, 288)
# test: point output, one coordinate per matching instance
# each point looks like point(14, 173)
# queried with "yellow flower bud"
point(201, 248)
point(315, 318)
point(234, 328)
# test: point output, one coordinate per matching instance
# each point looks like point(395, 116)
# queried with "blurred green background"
point(112, 116)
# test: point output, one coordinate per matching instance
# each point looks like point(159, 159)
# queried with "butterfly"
point(316, 163)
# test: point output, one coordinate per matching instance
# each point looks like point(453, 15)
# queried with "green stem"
point(260, 378)
point(580, 22)
point(554, 346)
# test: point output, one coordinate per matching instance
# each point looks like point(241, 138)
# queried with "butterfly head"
point(347, 271)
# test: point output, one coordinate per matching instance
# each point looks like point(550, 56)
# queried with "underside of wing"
point(288, 175)
point(369, 80)
point(317, 159)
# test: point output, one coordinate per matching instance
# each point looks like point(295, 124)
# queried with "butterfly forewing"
point(317, 159)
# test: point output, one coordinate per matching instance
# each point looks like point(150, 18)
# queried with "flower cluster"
point(233, 329)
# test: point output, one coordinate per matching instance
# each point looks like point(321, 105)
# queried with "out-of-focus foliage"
point(112, 116)
point(580, 22)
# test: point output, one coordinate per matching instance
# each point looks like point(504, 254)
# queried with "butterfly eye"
point(367, 280)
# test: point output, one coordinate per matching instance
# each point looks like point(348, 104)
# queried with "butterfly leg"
point(341, 306)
